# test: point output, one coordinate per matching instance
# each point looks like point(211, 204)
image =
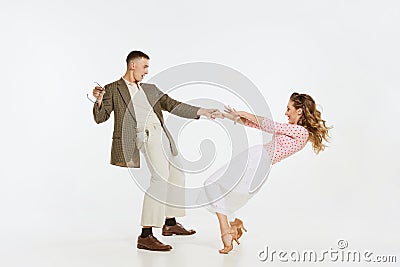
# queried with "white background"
point(62, 204)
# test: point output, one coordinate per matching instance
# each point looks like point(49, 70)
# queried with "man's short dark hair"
point(136, 54)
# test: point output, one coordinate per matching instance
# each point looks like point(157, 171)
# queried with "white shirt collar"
point(128, 83)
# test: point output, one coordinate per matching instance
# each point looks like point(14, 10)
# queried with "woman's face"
point(292, 113)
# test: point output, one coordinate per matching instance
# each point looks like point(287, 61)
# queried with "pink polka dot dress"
point(230, 187)
point(289, 138)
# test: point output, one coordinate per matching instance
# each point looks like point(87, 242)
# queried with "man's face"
point(140, 67)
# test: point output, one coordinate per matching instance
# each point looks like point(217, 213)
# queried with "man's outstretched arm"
point(185, 110)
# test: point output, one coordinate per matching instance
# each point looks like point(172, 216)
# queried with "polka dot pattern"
point(289, 138)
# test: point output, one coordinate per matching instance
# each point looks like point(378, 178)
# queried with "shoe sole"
point(151, 249)
point(170, 234)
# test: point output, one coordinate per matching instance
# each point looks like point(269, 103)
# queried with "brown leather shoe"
point(152, 243)
point(177, 229)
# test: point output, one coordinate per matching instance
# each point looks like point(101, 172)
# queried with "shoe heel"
point(239, 227)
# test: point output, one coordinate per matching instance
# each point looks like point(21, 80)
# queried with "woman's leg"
point(228, 233)
point(223, 223)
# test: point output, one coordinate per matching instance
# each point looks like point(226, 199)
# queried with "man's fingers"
point(98, 92)
point(99, 89)
point(216, 114)
point(219, 115)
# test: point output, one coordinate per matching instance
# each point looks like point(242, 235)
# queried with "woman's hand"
point(228, 109)
point(231, 114)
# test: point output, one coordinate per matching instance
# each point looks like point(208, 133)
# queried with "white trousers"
point(163, 198)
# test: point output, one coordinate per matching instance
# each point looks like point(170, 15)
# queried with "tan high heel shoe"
point(227, 240)
point(238, 224)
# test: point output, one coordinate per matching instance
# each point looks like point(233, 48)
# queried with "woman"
point(304, 124)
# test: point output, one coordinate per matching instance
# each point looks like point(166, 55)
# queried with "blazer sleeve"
point(102, 113)
point(177, 108)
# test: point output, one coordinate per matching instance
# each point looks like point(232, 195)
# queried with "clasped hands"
point(229, 113)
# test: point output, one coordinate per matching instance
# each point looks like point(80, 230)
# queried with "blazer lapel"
point(126, 96)
point(154, 98)
point(151, 97)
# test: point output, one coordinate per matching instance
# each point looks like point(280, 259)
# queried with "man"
point(139, 126)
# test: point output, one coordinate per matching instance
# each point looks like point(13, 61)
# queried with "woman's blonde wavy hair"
point(311, 120)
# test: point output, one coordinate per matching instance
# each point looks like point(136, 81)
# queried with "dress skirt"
point(230, 187)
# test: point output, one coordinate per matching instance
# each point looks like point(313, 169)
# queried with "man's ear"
point(131, 65)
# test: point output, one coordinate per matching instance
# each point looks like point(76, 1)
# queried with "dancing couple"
point(139, 128)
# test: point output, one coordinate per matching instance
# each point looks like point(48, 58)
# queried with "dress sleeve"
point(267, 125)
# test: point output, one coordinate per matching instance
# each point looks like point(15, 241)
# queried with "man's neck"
point(129, 77)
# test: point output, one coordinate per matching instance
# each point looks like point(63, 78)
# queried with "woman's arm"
point(250, 120)
point(265, 124)
point(251, 117)
point(241, 116)
point(232, 115)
